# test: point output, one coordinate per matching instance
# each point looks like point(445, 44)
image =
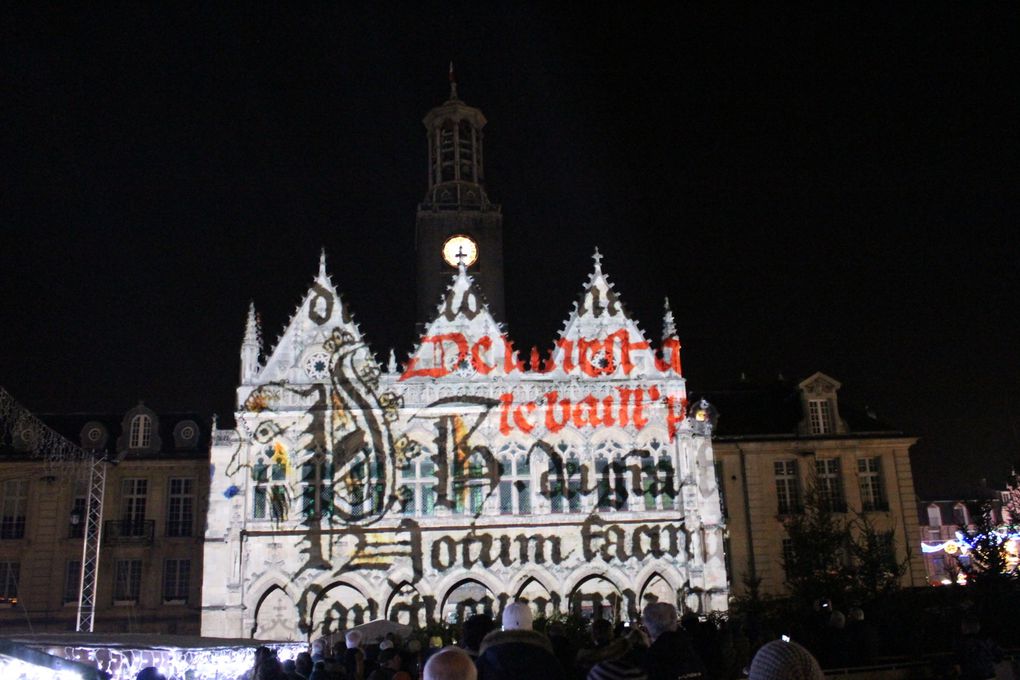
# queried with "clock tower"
point(456, 222)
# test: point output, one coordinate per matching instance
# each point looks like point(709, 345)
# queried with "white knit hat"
point(517, 616)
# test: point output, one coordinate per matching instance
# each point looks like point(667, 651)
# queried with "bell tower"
point(456, 221)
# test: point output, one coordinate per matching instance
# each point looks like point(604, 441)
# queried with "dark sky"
point(834, 191)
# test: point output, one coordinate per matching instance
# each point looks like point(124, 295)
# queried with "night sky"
point(834, 191)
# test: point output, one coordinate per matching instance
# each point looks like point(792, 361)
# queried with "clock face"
point(460, 247)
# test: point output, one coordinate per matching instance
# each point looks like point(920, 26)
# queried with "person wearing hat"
point(784, 660)
point(517, 651)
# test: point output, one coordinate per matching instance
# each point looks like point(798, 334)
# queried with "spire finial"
point(668, 324)
point(322, 263)
point(597, 257)
point(453, 82)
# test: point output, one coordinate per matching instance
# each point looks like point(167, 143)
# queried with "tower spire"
point(251, 346)
point(322, 264)
point(453, 82)
point(668, 324)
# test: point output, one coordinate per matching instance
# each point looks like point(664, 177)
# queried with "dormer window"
point(141, 432)
point(820, 412)
point(820, 407)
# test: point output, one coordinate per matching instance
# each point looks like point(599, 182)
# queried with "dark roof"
point(773, 411)
point(70, 426)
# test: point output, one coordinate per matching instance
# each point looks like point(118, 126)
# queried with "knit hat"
point(781, 660)
point(517, 616)
point(385, 644)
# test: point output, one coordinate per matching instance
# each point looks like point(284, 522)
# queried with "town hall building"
point(470, 475)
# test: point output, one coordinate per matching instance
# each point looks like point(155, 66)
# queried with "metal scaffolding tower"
point(90, 547)
point(34, 436)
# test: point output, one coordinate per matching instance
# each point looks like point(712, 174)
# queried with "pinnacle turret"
point(668, 324)
point(251, 346)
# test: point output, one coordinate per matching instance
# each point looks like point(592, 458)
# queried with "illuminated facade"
point(467, 478)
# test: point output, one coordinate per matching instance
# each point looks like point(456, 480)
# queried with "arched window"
point(141, 431)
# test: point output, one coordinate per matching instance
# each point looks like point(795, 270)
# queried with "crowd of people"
point(657, 648)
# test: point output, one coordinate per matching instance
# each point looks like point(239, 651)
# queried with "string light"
point(176, 663)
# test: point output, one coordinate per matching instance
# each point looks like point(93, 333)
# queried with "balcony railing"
point(179, 528)
point(130, 530)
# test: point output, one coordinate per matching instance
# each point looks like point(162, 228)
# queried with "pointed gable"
point(299, 355)
point(463, 340)
point(600, 339)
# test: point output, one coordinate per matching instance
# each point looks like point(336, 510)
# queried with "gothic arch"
point(276, 616)
point(406, 601)
point(443, 589)
point(492, 594)
point(531, 572)
point(543, 601)
point(656, 588)
point(350, 607)
point(597, 596)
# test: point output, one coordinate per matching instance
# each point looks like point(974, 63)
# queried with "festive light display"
point(16, 669)
point(176, 663)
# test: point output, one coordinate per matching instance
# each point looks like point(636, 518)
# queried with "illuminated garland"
point(176, 663)
point(26, 432)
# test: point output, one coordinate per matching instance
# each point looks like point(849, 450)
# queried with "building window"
point(787, 486)
point(270, 497)
point(128, 581)
point(934, 516)
point(419, 486)
point(180, 511)
point(469, 487)
point(555, 486)
point(72, 581)
point(830, 484)
point(10, 575)
point(317, 487)
point(15, 500)
point(134, 492)
point(820, 412)
point(176, 580)
point(788, 554)
point(869, 472)
point(515, 481)
point(141, 432)
point(960, 515)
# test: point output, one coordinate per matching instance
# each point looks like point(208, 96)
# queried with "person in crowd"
point(784, 660)
point(605, 646)
point(290, 669)
point(267, 665)
point(354, 657)
point(389, 665)
point(451, 663)
point(474, 631)
point(318, 651)
point(150, 673)
point(671, 654)
point(303, 665)
point(834, 651)
point(563, 648)
point(627, 666)
point(517, 651)
point(976, 654)
point(319, 672)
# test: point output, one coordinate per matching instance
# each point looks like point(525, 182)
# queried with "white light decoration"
point(16, 669)
point(176, 663)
